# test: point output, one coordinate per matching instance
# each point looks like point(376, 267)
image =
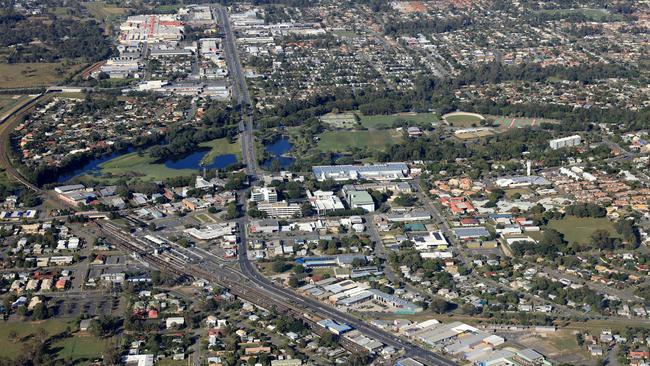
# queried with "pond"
point(91, 167)
point(188, 161)
point(277, 150)
point(193, 161)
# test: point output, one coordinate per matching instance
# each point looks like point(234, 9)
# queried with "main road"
point(241, 95)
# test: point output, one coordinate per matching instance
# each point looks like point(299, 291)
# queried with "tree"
point(294, 282)
point(279, 266)
point(439, 306)
point(152, 226)
point(40, 312)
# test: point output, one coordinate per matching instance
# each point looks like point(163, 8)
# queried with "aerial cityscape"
point(320, 182)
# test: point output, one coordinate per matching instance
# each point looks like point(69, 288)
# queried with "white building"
point(265, 194)
point(324, 201)
point(569, 141)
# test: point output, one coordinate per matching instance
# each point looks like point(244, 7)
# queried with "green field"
point(142, 167)
point(386, 121)
point(579, 230)
point(462, 119)
point(505, 123)
point(27, 75)
point(344, 141)
point(340, 120)
point(80, 349)
point(101, 10)
point(220, 147)
point(596, 15)
point(145, 168)
point(26, 330)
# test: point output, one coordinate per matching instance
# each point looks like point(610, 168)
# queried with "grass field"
point(26, 330)
point(344, 141)
point(101, 10)
point(596, 15)
point(29, 75)
point(475, 134)
point(142, 167)
point(463, 119)
point(80, 348)
point(220, 147)
point(378, 121)
point(579, 230)
point(340, 120)
point(505, 123)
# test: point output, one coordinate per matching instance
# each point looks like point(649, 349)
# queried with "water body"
point(193, 161)
point(91, 167)
point(277, 151)
point(188, 161)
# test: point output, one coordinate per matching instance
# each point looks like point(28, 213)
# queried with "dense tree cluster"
point(51, 40)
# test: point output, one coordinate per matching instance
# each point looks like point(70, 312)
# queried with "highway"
point(278, 292)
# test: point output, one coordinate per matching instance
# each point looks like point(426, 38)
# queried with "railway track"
point(227, 277)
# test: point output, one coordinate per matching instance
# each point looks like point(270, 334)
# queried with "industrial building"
point(383, 171)
point(361, 199)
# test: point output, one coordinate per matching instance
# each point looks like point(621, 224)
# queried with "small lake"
point(277, 151)
point(193, 161)
point(92, 166)
point(188, 161)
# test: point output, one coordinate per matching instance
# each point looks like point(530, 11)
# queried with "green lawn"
point(576, 229)
point(505, 122)
point(377, 121)
point(344, 141)
point(220, 147)
point(101, 10)
point(26, 330)
point(142, 167)
point(461, 119)
point(80, 349)
point(597, 15)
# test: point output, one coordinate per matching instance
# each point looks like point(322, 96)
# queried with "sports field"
point(345, 141)
point(476, 134)
point(506, 123)
point(579, 229)
point(596, 15)
point(386, 121)
point(463, 119)
point(340, 120)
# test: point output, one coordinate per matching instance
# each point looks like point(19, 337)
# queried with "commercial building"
point(265, 226)
point(361, 199)
point(265, 194)
point(281, 209)
point(522, 181)
point(324, 201)
point(384, 171)
point(569, 141)
point(435, 240)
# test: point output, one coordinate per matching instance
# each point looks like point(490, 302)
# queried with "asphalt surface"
point(240, 92)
